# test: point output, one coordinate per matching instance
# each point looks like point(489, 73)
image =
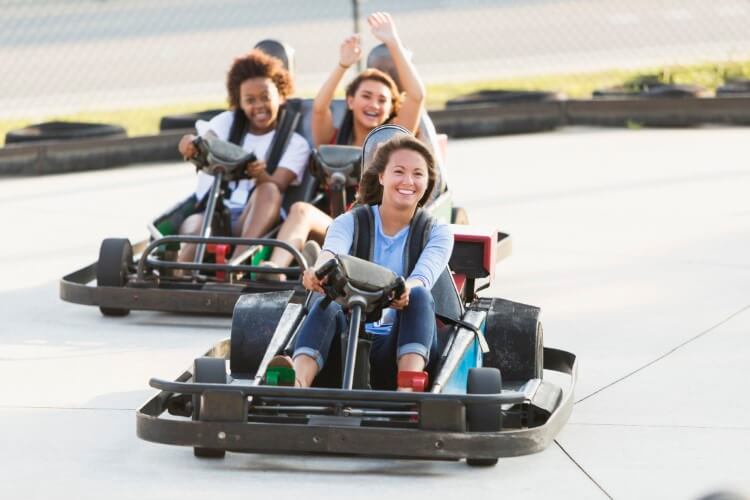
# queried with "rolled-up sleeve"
point(340, 234)
point(435, 256)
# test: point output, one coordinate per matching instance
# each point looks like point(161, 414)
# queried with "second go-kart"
point(213, 281)
point(487, 398)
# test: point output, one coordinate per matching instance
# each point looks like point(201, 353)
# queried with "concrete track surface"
point(635, 244)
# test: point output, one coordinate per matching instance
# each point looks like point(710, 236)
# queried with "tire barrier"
point(732, 107)
point(54, 157)
point(186, 121)
point(62, 131)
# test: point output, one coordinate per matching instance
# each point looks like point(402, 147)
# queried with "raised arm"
point(322, 118)
point(384, 29)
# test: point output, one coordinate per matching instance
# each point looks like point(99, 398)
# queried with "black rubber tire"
point(187, 120)
point(502, 97)
point(115, 260)
point(656, 91)
point(209, 371)
point(62, 131)
point(209, 453)
point(734, 87)
point(459, 215)
point(484, 417)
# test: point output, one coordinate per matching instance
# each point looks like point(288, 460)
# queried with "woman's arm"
point(384, 29)
point(434, 257)
point(338, 240)
point(322, 118)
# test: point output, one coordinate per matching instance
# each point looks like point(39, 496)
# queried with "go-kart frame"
point(516, 413)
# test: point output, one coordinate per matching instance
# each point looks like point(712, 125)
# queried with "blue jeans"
point(414, 331)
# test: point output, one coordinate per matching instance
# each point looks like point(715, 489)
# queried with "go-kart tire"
point(62, 131)
point(115, 259)
point(459, 215)
point(484, 417)
point(207, 371)
point(187, 120)
point(516, 340)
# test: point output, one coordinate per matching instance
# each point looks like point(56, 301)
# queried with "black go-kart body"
point(488, 397)
point(145, 276)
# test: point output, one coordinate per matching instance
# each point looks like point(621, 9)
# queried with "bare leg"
point(305, 222)
point(190, 226)
point(260, 214)
point(305, 369)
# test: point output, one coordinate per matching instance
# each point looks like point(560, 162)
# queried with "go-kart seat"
point(306, 190)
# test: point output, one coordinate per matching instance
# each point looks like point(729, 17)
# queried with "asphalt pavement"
point(633, 242)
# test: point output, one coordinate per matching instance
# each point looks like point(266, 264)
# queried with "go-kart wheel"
point(115, 258)
point(484, 417)
point(459, 216)
point(207, 371)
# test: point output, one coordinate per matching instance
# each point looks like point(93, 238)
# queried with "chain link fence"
point(67, 56)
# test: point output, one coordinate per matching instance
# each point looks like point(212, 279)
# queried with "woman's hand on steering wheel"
point(255, 168)
point(350, 51)
point(311, 282)
point(401, 302)
point(186, 147)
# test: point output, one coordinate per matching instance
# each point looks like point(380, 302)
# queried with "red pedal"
point(417, 381)
point(220, 252)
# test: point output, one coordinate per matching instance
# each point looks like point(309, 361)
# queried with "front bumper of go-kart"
point(359, 423)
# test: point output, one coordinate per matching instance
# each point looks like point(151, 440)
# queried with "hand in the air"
point(383, 27)
point(350, 51)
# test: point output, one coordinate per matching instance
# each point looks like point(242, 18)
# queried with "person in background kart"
point(257, 86)
point(394, 186)
point(372, 99)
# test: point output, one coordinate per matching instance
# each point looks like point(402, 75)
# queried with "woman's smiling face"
point(371, 104)
point(260, 100)
point(404, 179)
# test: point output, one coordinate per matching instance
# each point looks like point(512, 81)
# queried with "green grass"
point(145, 120)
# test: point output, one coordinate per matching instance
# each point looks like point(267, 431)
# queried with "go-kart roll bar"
point(158, 264)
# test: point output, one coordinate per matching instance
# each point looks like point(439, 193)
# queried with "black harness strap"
point(290, 116)
point(344, 134)
point(287, 123)
point(363, 243)
point(419, 233)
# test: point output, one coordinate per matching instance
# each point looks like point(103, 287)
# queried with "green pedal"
point(280, 375)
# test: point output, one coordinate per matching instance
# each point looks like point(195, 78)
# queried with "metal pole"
point(355, 16)
point(357, 306)
point(213, 199)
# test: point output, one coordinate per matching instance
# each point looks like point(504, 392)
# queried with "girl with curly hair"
point(257, 87)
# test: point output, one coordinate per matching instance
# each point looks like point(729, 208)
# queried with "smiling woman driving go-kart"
point(257, 86)
point(393, 188)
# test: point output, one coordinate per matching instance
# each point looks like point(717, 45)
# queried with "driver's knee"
point(421, 297)
point(192, 224)
point(300, 210)
point(268, 192)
